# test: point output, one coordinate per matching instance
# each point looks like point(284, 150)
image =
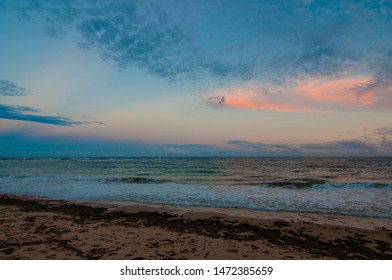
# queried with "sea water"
point(350, 186)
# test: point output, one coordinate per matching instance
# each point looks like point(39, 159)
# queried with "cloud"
point(8, 88)
point(383, 131)
point(310, 95)
point(17, 143)
point(278, 147)
point(188, 150)
point(381, 82)
point(139, 34)
point(253, 97)
point(319, 60)
point(268, 43)
point(23, 113)
point(174, 38)
point(345, 146)
point(336, 93)
point(215, 101)
point(333, 148)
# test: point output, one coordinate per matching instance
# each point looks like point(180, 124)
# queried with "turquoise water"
point(351, 186)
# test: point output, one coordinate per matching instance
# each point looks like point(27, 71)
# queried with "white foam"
point(361, 199)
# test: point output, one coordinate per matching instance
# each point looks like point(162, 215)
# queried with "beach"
point(37, 228)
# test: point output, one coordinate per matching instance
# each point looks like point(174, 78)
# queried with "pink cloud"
point(313, 95)
point(339, 92)
point(253, 101)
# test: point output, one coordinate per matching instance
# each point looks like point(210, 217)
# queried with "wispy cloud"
point(257, 146)
point(346, 146)
point(188, 149)
point(9, 88)
point(383, 131)
point(22, 113)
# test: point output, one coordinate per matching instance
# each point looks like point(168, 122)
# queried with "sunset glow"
point(182, 78)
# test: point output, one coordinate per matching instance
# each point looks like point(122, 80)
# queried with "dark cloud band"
point(344, 147)
point(22, 113)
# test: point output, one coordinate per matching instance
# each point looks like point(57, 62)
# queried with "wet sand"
point(33, 228)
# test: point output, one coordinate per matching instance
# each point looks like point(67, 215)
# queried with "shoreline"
point(41, 228)
point(363, 222)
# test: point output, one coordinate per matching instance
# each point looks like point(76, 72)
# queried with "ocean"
point(348, 186)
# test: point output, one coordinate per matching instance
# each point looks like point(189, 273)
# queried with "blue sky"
point(195, 78)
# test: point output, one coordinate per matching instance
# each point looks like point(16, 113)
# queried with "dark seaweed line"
point(349, 248)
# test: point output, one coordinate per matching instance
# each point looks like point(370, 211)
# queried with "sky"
point(195, 78)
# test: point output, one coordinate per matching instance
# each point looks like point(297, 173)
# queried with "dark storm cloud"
point(9, 88)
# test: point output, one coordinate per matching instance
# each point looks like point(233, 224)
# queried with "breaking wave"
point(358, 199)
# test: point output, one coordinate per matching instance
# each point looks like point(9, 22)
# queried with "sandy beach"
point(33, 228)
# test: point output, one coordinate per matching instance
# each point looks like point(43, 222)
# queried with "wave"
point(137, 180)
point(357, 186)
point(82, 179)
point(327, 185)
point(358, 199)
point(303, 183)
